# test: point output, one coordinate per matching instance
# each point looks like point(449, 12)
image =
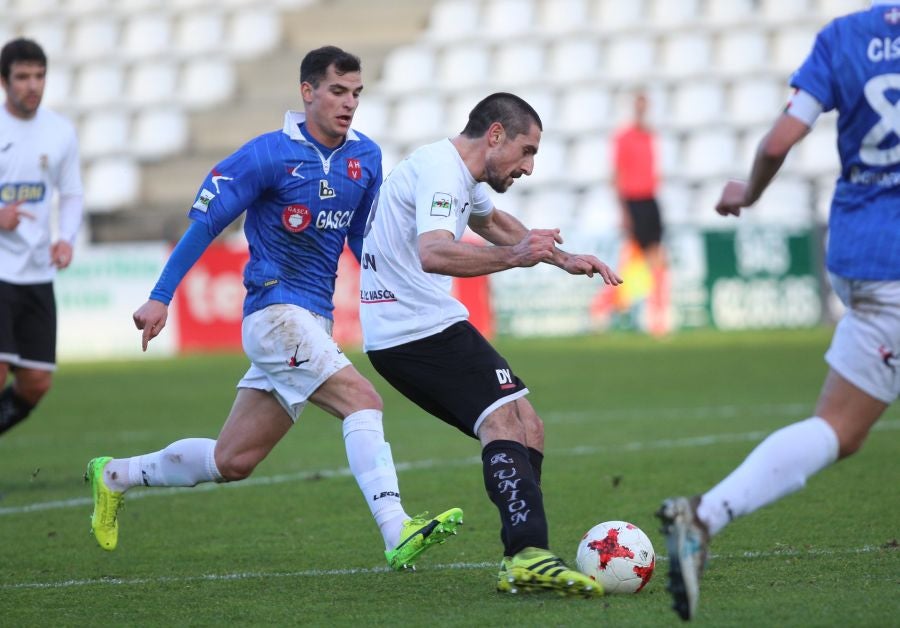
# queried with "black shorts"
point(645, 220)
point(28, 325)
point(455, 375)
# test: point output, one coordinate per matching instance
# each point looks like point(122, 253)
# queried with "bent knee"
point(236, 468)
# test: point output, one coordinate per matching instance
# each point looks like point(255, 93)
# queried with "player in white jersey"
point(306, 190)
point(417, 335)
point(38, 160)
point(851, 70)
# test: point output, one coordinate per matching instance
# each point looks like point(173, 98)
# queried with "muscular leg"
point(19, 398)
point(509, 475)
point(352, 398)
point(782, 463)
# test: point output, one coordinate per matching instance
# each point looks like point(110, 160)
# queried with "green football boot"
point(420, 533)
point(104, 520)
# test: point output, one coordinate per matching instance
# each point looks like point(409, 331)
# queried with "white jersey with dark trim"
point(38, 157)
point(399, 302)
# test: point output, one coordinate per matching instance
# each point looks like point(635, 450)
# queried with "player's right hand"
point(538, 245)
point(150, 317)
point(733, 199)
point(11, 216)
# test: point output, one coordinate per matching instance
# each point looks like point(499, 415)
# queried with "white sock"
point(186, 462)
point(373, 467)
point(778, 466)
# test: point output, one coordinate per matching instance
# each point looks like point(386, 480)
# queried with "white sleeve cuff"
point(804, 107)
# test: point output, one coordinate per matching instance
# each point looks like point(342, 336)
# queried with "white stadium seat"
point(561, 17)
point(792, 46)
point(453, 20)
point(50, 33)
point(676, 200)
point(206, 82)
point(686, 54)
point(551, 162)
point(408, 68)
point(599, 213)
point(698, 103)
point(780, 11)
point(743, 50)
point(669, 14)
point(103, 133)
point(818, 150)
point(457, 111)
point(253, 31)
point(787, 201)
point(59, 86)
point(94, 37)
point(756, 100)
point(371, 117)
point(146, 35)
point(111, 183)
point(152, 83)
point(550, 208)
point(517, 62)
point(418, 119)
point(201, 31)
point(573, 58)
point(507, 18)
point(159, 132)
point(584, 108)
point(588, 160)
point(630, 57)
point(835, 8)
point(709, 153)
point(464, 66)
point(730, 11)
point(99, 85)
point(619, 15)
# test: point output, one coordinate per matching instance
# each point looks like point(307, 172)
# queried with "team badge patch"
point(354, 169)
point(203, 201)
point(441, 204)
point(296, 218)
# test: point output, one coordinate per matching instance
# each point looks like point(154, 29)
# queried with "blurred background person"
point(38, 156)
point(642, 260)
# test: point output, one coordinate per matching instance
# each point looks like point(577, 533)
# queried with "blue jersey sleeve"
point(185, 254)
point(233, 185)
point(815, 76)
point(361, 215)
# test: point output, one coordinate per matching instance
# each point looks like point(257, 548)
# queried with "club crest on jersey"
point(354, 169)
point(296, 218)
point(203, 200)
point(324, 190)
point(441, 204)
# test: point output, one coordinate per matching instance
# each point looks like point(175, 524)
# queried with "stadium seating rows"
point(716, 72)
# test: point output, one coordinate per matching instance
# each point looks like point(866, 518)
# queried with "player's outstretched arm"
point(583, 264)
point(151, 318)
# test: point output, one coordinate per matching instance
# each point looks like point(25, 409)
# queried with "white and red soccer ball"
point(618, 555)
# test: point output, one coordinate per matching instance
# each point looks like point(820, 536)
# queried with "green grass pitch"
point(629, 421)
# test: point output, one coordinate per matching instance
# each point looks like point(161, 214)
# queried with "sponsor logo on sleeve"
point(296, 218)
point(354, 169)
point(217, 177)
point(441, 204)
point(203, 201)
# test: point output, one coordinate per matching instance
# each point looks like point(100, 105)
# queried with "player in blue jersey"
point(305, 189)
point(853, 68)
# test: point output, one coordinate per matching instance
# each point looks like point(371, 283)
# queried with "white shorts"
point(291, 353)
point(865, 349)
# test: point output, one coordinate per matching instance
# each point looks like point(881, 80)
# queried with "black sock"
point(536, 459)
point(13, 408)
point(510, 482)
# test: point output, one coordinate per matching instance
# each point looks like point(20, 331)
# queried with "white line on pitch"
point(318, 573)
point(634, 446)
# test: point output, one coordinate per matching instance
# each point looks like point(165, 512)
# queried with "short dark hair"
point(315, 64)
point(512, 112)
point(19, 50)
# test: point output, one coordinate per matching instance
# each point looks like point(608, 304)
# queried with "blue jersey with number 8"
point(854, 67)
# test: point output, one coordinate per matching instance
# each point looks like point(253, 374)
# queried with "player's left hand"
point(588, 265)
point(733, 199)
point(61, 254)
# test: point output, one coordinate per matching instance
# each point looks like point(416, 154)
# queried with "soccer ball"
point(618, 555)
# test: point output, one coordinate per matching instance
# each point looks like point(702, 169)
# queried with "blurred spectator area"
point(162, 89)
